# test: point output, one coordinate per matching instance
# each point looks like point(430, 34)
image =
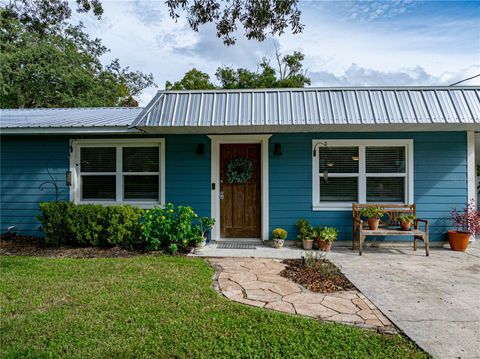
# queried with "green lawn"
point(157, 307)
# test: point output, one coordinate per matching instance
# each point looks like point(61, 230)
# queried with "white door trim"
point(216, 140)
point(471, 170)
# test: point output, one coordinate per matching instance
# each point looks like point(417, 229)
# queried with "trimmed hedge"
point(91, 224)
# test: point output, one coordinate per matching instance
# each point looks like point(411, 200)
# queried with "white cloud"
point(380, 45)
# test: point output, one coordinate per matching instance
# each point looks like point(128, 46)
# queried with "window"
point(367, 171)
point(108, 171)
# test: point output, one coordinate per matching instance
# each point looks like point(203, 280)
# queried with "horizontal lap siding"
point(23, 169)
point(188, 174)
point(440, 179)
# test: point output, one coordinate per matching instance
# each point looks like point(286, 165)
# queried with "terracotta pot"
point(324, 246)
point(373, 223)
point(405, 225)
point(458, 240)
point(278, 243)
point(307, 244)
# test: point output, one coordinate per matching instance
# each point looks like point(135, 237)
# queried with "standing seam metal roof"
point(313, 106)
point(68, 117)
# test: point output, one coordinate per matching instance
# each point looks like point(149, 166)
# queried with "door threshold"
point(252, 240)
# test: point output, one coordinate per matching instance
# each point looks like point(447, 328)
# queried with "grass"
point(157, 307)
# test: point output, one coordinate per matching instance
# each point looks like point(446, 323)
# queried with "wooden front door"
point(240, 213)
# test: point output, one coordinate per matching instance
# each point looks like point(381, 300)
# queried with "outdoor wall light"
point(68, 178)
point(200, 149)
point(355, 158)
point(277, 149)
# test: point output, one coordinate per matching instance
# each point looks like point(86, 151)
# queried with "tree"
point(193, 79)
point(257, 18)
point(47, 62)
point(290, 73)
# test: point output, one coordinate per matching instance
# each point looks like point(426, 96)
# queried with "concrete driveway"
point(435, 300)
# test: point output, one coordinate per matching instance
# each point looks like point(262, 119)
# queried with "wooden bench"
point(389, 224)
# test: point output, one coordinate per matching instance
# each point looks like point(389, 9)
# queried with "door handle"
point(221, 195)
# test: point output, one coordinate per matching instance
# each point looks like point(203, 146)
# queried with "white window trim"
point(343, 206)
point(75, 194)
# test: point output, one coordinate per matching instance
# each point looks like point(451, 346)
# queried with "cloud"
point(356, 75)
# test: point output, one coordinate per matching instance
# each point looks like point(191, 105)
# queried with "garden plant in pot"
point(305, 233)
point(373, 215)
point(406, 220)
point(202, 228)
point(325, 237)
point(468, 225)
point(279, 236)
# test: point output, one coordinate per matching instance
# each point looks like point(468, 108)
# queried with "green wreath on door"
point(239, 171)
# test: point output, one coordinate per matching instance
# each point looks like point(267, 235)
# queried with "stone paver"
point(257, 282)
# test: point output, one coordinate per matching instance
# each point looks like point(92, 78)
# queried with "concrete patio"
point(434, 300)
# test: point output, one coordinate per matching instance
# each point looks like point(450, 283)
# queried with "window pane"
point(98, 187)
point(385, 159)
point(140, 187)
point(97, 159)
point(140, 159)
point(344, 189)
point(384, 189)
point(338, 159)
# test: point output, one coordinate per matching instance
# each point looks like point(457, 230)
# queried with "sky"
point(346, 43)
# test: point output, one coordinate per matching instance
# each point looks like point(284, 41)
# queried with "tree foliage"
point(288, 73)
point(258, 18)
point(47, 62)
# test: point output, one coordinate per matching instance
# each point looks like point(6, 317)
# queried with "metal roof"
point(68, 117)
point(312, 106)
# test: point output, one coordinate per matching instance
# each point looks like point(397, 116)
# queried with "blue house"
point(252, 159)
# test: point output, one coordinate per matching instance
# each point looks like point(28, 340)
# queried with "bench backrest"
point(392, 211)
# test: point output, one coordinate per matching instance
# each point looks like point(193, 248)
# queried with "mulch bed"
point(322, 276)
point(33, 246)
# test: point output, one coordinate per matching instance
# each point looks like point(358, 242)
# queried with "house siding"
point(440, 179)
point(23, 168)
point(187, 174)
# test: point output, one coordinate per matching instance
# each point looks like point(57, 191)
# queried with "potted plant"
point(205, 225)
point(406, 220)
point(279, 235)
point(373, 215)
point(326, 236)
point(468, 225)
point(306, 233)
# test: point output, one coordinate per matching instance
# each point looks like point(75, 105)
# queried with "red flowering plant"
point(468, 220)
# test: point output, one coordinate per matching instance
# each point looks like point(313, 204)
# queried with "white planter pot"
point(202, 244)
point(278, 243)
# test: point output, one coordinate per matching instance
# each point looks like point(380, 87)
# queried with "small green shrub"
point(408, 217)
point(163, 227)
point(55, 222)
point(372, 212)
point(328, 234)
point(90, 224)
point(305, 230)
point(279, 233)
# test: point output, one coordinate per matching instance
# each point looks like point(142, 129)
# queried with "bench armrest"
point(424, 221)
point(358, 220)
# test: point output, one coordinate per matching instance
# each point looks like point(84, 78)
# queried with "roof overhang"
point(69, 131)
point(308, 128)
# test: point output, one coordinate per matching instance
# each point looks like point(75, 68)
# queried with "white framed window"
point(361, 171)
point(109, 171)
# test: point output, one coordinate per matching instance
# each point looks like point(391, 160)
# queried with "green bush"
point(169, 227)
point(90, 224)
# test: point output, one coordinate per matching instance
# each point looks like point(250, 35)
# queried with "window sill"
point(143, 205)
point(332, 207)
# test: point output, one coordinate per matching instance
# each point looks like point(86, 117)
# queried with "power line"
point(469, 78)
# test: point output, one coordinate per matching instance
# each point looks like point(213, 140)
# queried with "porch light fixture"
point(355, 158)
point(277, 149)
point(68, 178)
point(200, 149)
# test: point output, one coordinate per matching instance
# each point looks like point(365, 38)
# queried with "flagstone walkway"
point(257, 282)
